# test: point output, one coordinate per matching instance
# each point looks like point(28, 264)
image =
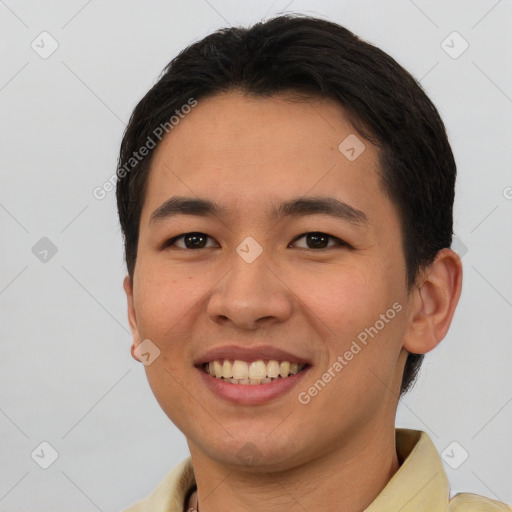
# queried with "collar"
point(420, 484)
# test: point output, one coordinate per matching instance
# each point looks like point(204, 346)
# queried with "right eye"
point(193, 240)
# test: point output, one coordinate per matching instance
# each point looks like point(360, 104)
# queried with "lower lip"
point(252, 394)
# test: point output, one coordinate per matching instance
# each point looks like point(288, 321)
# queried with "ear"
point(433, 302)
point(132, 316)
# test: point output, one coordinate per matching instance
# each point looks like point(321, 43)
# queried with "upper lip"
point(249, 354)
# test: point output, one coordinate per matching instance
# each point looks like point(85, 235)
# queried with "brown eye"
point(194, 240)
point(319, 240)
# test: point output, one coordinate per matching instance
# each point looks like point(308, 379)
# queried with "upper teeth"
point(254, 371)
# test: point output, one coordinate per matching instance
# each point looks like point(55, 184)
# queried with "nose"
point(250, 296)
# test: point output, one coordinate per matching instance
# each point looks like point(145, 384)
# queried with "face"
point(321, 285)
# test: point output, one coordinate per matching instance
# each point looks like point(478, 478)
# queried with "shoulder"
point(467, 502)
point(171, 492)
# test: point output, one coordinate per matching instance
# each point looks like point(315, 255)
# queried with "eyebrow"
point(300, 206)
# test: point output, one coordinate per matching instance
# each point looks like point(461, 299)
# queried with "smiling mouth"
point(251, 373)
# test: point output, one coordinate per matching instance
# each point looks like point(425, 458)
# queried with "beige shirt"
point(420, 485)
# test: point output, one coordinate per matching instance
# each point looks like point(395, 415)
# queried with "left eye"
point(320, 240)
point(316, 240)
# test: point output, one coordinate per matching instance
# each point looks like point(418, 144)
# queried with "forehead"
point(285, 125)
point(243, 150)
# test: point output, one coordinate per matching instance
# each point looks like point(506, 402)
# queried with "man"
point(285, 193)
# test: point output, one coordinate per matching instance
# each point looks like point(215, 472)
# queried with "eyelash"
point(339, 241)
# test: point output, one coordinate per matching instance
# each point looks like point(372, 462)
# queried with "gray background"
point(67, 377)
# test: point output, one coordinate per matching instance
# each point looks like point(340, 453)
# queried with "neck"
point(349, 476)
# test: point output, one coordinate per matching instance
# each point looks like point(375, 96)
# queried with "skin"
point(247, 153)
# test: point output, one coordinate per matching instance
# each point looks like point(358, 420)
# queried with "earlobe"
point(132, 316)
point(433, 303)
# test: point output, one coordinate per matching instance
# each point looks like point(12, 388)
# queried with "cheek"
point(345, 299)
point(163, 302)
